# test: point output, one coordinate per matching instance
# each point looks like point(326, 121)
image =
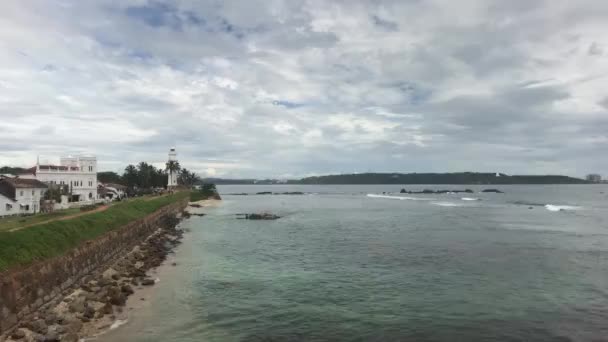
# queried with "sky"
point(294, 88)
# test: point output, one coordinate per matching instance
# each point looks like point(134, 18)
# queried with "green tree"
point(130, 176)
point(187, 178)
point(109, 177)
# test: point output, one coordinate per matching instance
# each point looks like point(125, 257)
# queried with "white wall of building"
point(82, 182)
point(11, 209)
point(29, 199)
point(27, 202)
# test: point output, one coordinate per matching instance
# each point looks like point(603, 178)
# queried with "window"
point(9, 207)
point(33, 192)
point(21, 193)
point(90, 195)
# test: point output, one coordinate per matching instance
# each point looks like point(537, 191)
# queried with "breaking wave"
point(401, 198)
point(470, 199)
point(447, 204)
point(552, 207)
point(117, 323)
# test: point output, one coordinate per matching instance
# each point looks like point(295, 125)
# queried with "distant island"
point(414, 178)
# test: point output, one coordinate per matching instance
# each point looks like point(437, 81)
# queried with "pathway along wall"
point(24, 291)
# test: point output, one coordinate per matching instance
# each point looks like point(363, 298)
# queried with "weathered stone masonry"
point(24, 291)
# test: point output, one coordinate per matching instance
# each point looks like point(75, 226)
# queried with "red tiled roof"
point(25, 183)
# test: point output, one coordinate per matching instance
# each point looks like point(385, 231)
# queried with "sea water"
point(340, 265)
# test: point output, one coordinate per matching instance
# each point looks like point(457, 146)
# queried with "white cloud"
point(269, 88)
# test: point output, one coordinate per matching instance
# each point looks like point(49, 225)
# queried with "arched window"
point(90, 195)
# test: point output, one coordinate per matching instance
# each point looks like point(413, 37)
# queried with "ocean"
point(340, 265)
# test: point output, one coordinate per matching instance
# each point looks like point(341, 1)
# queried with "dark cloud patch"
point(384, 24)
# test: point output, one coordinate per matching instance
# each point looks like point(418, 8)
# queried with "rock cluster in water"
point(104, 295)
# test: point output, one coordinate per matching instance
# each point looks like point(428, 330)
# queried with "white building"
point(78, 173)
point(20, 196)
point(172, 176)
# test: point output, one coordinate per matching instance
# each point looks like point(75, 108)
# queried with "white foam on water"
point(157, 280)
point(552, 207)
point(117, 323)
point(470, 199)
point(447, 204)
point(401, 198)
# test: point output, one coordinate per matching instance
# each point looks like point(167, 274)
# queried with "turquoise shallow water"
point(342, 266)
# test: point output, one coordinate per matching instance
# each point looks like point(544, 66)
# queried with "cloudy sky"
point(291, 88)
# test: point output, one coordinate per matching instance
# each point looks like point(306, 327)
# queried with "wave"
point(552, 207)
point(447, 204)
point(470, 199)
point(117, 323)
point(401, 198)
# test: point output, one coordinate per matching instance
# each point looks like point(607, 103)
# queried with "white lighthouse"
point(172, 172)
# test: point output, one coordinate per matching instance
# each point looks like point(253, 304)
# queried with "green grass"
point(45, 240)
point(13, 222)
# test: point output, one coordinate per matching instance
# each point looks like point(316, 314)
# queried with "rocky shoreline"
point(93, 307)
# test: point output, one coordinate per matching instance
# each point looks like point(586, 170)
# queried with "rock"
point(59, 329)
point(38, 326)
point(95, 289)
point(50, 318)
point(492, 190)
point(18, 334)
point(71, 337)
point(147, 282)
point(73, 326)
point(173, 264)
point(116, 296)
point(106, 309)
point(109, 273)
point(127, 289)
point(104, 282)
point(115, 276)
point(85, 287)
point(51, 337)
point(89, 312)
point(77, 305)
point(85, 319)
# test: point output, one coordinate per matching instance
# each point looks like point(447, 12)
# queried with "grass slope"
point(13, 222)
point(46, 240)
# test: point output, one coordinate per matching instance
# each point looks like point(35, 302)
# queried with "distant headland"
point(414, 178)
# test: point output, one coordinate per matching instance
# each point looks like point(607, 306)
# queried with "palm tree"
point(130, 176)
point(173, 166)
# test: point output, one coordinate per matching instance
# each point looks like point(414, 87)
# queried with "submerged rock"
point(147, 282)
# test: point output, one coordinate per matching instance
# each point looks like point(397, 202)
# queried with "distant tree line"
point(11, 170)
point(438, 178)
